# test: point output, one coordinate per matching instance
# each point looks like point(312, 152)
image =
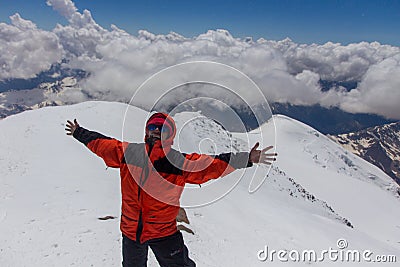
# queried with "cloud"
point(66, 8)
point(119, 62)
point(333, 61)
point(26, 50)
point(378, 91)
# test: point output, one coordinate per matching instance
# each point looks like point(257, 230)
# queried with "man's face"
point(157, 131)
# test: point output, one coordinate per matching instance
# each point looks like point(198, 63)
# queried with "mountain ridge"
point(53, 190)
point(379, 145)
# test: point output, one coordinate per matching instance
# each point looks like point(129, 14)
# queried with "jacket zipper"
point(144, 169)
point(141, 183)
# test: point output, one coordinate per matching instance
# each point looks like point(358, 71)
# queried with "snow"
point(69, 82)
point(53, 189)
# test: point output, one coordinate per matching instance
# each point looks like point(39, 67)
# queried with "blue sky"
point(304, 21)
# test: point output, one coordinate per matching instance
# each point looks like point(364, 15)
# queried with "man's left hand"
point(259, 156)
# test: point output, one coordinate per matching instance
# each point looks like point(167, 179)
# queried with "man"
point(153, 176)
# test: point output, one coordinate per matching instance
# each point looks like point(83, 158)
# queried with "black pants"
point(170, 251)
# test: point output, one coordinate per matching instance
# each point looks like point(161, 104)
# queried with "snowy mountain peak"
point(53, 190)
point(328, 155)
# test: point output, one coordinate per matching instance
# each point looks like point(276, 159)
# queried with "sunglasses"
point(153, 127)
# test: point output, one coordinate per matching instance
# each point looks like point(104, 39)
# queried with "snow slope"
point(52, 191)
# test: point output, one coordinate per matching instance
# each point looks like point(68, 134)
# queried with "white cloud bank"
point(285, 71)
point(25, 49)
point(379, 90)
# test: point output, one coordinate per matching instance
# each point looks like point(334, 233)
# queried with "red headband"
point(159, 121)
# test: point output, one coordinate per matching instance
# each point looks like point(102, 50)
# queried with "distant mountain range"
point(56, 73)
point(379, 145)
point(329, 120)
point(17, 95)
point(370, 136)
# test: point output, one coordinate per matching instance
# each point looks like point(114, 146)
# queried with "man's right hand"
point(71, 127)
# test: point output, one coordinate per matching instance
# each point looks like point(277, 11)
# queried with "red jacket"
point(149, 210)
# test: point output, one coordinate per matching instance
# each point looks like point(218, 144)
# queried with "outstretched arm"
point(200, 168)
point(109, 149)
